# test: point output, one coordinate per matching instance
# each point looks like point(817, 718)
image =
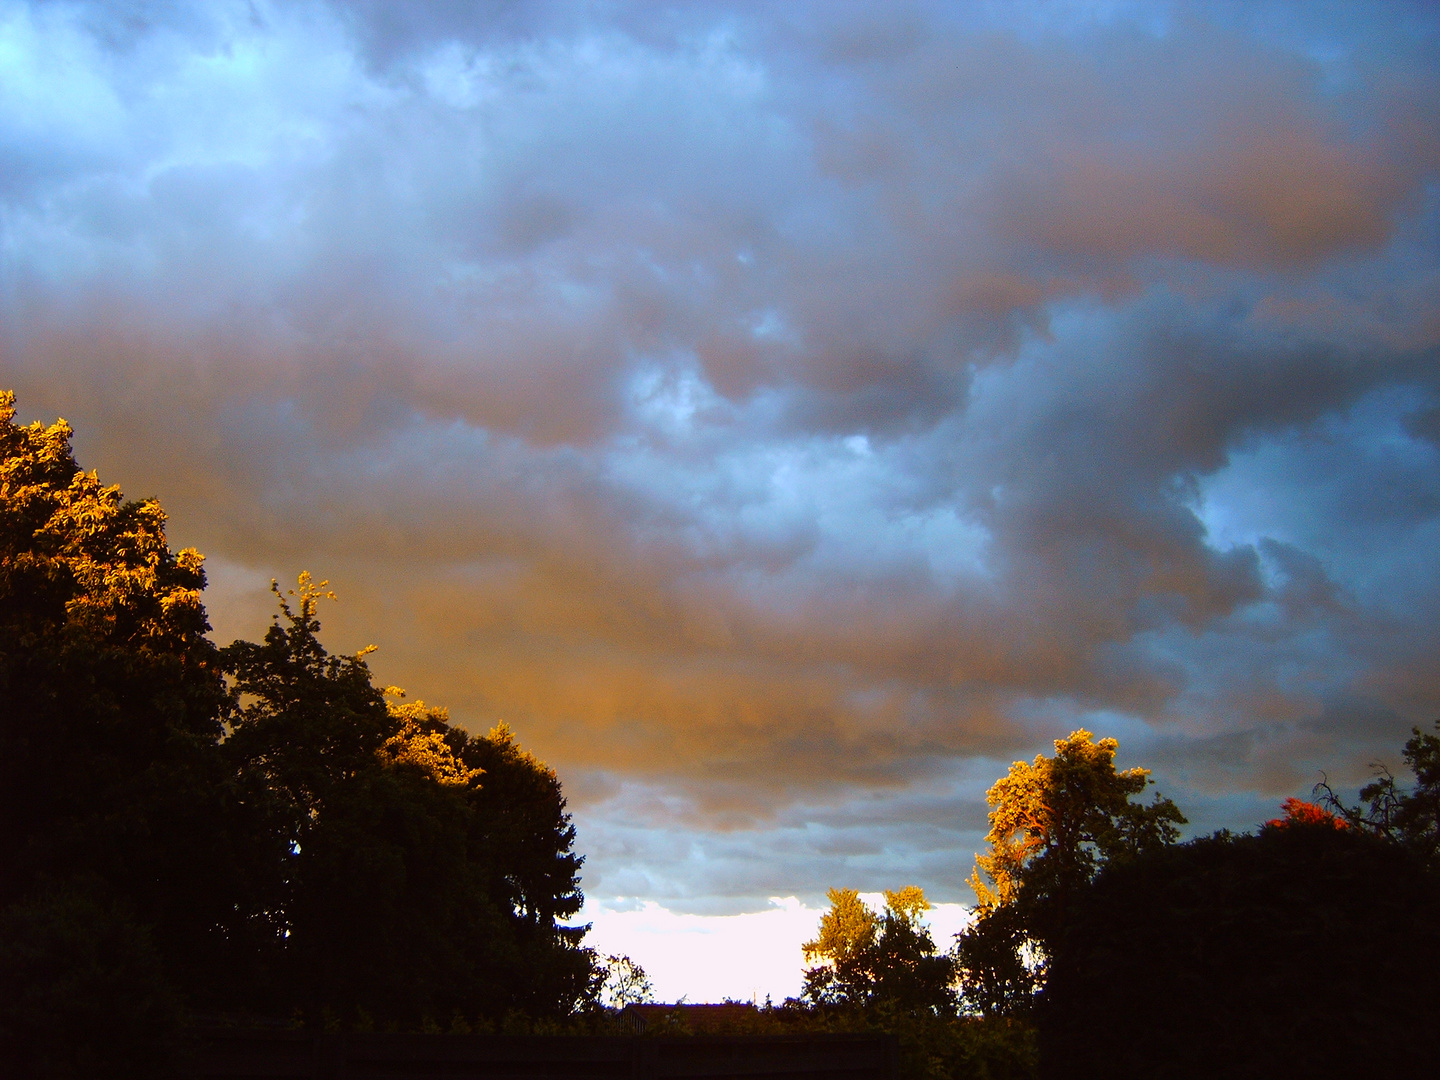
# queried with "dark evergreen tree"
point(423, 872)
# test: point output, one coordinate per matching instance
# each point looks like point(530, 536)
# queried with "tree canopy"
point(1055, 820)
point(1407, 816)
point(418, 870)
point(111, 788)
point(1302, 950)
point(258, 828)
point(888, 959)
point(1053, 823)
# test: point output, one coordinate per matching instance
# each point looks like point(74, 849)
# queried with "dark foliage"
point(932, 1047)
point(1304, 950)
point(1408, 816)
point(524, 842)
point(994, 965)
point(417, 872)
point(83, 992)
point(909, 975)
point(253, 830)
point(110, 697)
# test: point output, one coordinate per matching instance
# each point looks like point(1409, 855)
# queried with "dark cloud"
point(783, 418)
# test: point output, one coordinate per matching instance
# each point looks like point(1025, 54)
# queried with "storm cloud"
point(782, 417)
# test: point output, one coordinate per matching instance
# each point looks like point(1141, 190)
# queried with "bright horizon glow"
point(711, 958)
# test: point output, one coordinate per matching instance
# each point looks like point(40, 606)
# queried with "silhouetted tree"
point(996, 963)
point(1305, 950)
point(1408, 816)
point(625, 983)
point(424, 872)
point(525, 845)
point(284, 838)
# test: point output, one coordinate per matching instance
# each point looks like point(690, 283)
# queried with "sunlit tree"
point(1298, 812)
point(864, 959)
point(1053, 823)
point(106, 676)
point(253, 829)
point(848, 930)
point(112, 800)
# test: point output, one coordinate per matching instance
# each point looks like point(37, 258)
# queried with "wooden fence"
point(271, 1055)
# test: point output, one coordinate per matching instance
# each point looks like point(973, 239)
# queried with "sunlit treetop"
point(1055, 819)
point(69, 540)
point(420, 743)
point(1299, 812)
point(100, 622)
point(864, 958)
point(846, 929)
point(908, 904)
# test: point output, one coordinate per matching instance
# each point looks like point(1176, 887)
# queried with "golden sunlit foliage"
point(847, 929)
point(107, 558)
point(1067, 812)
point(1053, 823)
point(420, 743)
point(888, 960)
point(908, 903)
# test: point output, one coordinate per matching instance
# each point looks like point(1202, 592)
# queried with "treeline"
point(1103, 947)
point(255, 830)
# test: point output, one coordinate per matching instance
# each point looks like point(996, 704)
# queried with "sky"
point(783, 416)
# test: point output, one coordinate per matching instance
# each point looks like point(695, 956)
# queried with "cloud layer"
point(783, 418)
